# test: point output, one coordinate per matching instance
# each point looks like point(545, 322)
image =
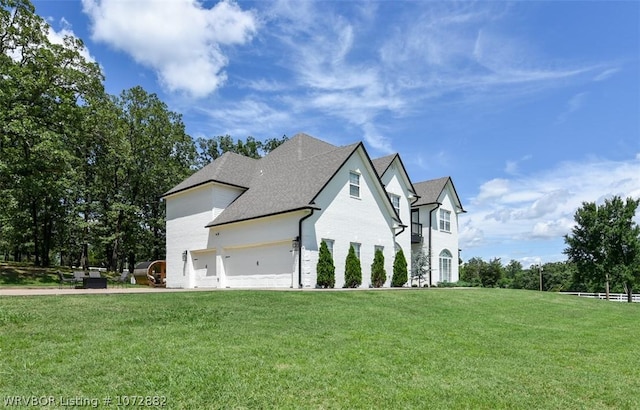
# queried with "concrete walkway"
point(43, 291)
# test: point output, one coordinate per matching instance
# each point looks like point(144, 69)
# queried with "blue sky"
point(531, 107)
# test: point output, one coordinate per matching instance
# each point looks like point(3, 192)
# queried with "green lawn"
point(448, 348)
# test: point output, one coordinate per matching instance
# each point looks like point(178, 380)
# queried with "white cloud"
point(181, 40)
point(541, 206)
point(606, 74)
point(241, 118)
point(574, 104)
point(339, 61)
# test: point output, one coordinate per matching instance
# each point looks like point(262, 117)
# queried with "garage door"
point(261, 266)
point(204, 269)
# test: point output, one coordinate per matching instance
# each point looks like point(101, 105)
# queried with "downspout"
point(431, 256)
point(300, 247)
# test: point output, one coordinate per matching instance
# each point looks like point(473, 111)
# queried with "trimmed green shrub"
point(378, 274)
point(352, 270)
point(325, 268)
point(399, 270)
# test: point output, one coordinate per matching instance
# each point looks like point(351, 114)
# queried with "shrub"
point(399, 270)
point(352, 270)
point(378, 274)
point(325, 268)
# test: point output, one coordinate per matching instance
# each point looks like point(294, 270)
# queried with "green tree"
point(378, 273)
point(471, 271)
point(353, 270)
point(491, 273)
point(605, 244)
point(155, 155)
point(211, 148)
point(43, 92)
point(510, 272)
point(325, 268)
point(399, 270)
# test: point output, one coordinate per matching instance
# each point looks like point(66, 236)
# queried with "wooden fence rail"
point(616, 297)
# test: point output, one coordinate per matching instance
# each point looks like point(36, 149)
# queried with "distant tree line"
point(603, 252)
point(81, 171)
point(556, 276)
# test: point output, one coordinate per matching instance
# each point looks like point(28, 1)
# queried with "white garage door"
point(204, 269)
point(261, 266)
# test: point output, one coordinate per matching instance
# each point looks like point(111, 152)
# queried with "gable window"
point(445, 266)
point(445, 220)
point(354, 184)
point(395, 201)
point(329, 243)
point(356, 248)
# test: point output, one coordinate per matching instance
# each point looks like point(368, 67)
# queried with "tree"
point(420, 266)
point(325, 268)
point(352, 271)
point(471, 271)
point(378, 273)
point(491, 273)
point(43, 92)
point(399, 270)
point(211, 148)
point(605, 244)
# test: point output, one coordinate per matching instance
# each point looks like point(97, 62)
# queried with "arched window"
point(445, 266)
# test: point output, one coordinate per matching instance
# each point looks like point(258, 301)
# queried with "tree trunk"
point(629, 288)
point(36, 239)
point(607, 285)
point(84, 258)
point(132, 262)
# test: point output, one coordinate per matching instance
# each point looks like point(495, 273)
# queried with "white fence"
point(616, 297)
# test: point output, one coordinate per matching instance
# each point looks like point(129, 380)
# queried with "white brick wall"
point(365, 220)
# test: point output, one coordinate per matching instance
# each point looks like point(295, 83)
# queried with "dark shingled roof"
point(381, 164)
point(230, 168)
point(287, 179)
point(429, 191)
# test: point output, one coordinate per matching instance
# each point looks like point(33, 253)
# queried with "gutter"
point(300, 247)
point(430, 255)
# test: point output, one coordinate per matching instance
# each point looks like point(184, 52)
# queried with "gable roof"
point(429, 192)
point(230, 169)
point(382, 164)
point(288, 179)
point(281, 184)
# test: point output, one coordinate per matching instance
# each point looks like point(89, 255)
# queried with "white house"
point(434, 228)
point(242, 222)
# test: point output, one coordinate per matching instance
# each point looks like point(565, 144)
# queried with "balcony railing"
point(416, 232)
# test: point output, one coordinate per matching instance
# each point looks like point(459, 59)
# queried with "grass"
point(480, 348)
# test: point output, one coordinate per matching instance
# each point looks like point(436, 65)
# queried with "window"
point(354, 184)
point(445, 220)
point(356, 248)
point(377, 248)
point(395, 201)
point(445, 266)
point(329, 243)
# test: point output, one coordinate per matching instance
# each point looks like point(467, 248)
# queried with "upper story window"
point(354, 184)
point(445, 220)
point(395, 201)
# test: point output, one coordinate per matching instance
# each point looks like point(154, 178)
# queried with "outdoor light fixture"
point(295, 242)
point(184, 256)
